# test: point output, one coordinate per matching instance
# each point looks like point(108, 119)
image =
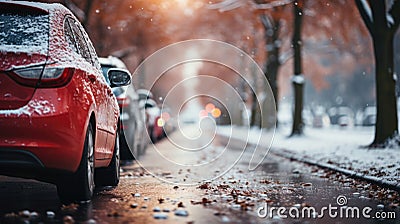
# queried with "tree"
point(272, 23)
point(298, 78)
point(382, 25)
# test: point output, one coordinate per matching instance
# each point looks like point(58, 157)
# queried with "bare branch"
point(265, 21)
point(270, 5)
point(366, 14)
point(285, 56)
point(227, 5)
point(75, 9)
point(87, 9)
point(395, 13)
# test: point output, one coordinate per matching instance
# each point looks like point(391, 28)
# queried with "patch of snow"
point(181, 212)
point(18, 112)
point(40, 107)
point(24, 33)
point(367, 9)
point(389, 19)
point(160, 216)
point(341, 148)
point(298, 79)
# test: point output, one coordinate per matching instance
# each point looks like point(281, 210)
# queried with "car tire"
point(125, 152)
point(80, 185)
point(109, 176)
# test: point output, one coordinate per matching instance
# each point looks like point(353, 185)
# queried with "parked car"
point(342, 116)
point(155, 125)
point(320, 118)
point(367, 116)
point(144, 95)
point(285, 114)
point(58, 116)
point(157, 119)
point(132, 126)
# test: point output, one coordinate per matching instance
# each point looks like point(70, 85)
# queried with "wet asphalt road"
point(171, 185)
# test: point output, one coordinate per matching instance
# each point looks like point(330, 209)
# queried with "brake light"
point(160, 122)
point(51, 77)
point(123, 102)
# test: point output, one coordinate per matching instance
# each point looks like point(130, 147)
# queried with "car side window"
point(93, 54)
point(81, 44)
point(70, 36)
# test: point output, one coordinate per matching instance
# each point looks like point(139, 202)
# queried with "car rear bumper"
point(21, 163)
point(19, 158)
point(47, 133)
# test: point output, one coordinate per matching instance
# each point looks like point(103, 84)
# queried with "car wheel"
point(125, 152)
point(80, 185)
point(109, 176)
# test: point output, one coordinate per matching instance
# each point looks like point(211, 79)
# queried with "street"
point(153, 190)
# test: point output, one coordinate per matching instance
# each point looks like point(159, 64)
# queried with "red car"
point(58, 116)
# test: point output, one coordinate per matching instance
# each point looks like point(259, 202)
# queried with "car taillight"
point(123, 102)
point(160, 122)
point(51, 77)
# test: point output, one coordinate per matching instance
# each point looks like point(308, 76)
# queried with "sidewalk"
point(332, 148)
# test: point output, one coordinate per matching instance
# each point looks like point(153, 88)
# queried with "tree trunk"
point(255, 111)
point(386, 122)
point(272, 64)
point(298, 78)
point(382, 26)
point(87, 10)
point(255, 120)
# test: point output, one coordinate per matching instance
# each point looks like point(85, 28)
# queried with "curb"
point(352, 174)
point(371, 179)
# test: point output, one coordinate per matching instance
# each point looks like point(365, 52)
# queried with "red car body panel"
point(51, 122)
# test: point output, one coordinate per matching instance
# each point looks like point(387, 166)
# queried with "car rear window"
point(24, 32)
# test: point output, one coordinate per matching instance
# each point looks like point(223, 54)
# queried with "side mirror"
point(119, 77)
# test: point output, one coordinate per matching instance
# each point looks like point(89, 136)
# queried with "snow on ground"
point(337, 148)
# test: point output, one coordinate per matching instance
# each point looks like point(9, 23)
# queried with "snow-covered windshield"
point(24, 33)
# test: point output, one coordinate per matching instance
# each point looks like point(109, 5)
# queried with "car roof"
point(48, 7)
point(59, 50)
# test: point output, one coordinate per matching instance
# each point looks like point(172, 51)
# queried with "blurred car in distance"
point(320, 118)
point(58, 116)
point(158, 122)
point(144, 95)
point(155, 122)
point(367, 116)
point(342, 116)
point(132, 126)
point(168, 121)
point(285, 114)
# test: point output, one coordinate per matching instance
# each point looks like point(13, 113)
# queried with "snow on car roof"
point(59, 50)
point(39, 5)
point(28, 32)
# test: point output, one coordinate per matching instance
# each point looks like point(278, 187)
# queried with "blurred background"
point(337, 52)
